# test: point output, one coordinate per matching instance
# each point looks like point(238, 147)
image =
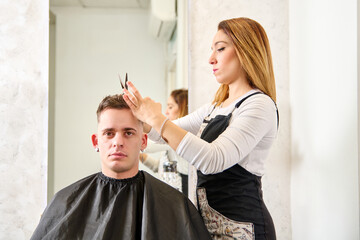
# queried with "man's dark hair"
point(112, 101)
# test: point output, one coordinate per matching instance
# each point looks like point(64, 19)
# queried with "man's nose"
point(118, 141)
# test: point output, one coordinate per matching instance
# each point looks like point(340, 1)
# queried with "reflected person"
point(229, 139)
point(120, 202)
point(177, 107)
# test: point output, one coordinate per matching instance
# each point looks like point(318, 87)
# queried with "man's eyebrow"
point(113, 129)
point(130, 129)
point(108, 130)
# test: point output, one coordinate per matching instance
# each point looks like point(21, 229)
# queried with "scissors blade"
point(126, 80)
point(122, 85)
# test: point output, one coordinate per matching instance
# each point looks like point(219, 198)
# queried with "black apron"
point(234, 196)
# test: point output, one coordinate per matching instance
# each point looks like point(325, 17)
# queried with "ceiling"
point(101, 3)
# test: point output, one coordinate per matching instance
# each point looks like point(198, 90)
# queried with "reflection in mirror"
point(170, 167)
point(91, 42)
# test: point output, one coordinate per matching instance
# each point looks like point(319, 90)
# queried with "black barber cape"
point(141, 207)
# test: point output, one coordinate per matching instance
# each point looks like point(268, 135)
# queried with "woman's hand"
point(149, 112)
point(145, 109)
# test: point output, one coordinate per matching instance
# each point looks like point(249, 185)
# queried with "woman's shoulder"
point(258, 111)
point(258, 103)
point(261, 97)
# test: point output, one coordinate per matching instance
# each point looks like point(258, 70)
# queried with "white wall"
point(273, 16)
point(182, 44)
point(93, 46)
point(323, 80)
point(23, 115)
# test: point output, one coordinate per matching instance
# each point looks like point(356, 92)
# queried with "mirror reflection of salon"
point(169, 166)
point(91, 43)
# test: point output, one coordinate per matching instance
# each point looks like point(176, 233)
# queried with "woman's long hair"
point(253, 49)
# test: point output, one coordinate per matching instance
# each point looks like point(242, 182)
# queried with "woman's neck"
point(236, 91)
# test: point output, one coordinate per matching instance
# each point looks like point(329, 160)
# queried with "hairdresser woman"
point(228, 140)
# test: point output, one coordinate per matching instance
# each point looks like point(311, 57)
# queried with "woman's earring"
point(97, 149)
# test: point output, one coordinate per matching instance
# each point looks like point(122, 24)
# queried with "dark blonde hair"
point(180, 96)
point(253, 50)
point(113, 102)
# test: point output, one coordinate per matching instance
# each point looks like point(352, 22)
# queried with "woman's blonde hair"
point(253, 49)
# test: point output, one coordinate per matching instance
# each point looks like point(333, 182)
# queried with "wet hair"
point(180, 96)
point(253, 50)
point(111, 102)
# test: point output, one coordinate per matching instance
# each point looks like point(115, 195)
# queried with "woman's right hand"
point(149, 112)
point(145, 109)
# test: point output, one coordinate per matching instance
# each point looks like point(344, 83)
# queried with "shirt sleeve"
point(153, 147)
point(151, 163)
point(250, 123)
point(190, 123)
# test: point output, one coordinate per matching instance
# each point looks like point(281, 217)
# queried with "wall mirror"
point(91, 43)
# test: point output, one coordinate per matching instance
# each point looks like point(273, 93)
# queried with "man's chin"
point(120, 171)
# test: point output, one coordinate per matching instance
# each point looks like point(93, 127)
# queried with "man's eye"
point(129, 133)
point(108, 134)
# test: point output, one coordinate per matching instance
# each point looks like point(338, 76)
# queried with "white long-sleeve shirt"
point(246, 141)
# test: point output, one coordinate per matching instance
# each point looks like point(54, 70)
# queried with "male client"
point(120, 202)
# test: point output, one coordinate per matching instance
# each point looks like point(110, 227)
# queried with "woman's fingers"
point(134, 90)
point(143, 108)
point(130, 99)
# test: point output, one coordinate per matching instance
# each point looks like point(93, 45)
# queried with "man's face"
point(119, 138)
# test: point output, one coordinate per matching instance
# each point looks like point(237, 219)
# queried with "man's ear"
point(94, 140)
point(144, 139)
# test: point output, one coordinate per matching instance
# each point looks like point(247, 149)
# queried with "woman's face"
point(172, 109)
point(225, 62)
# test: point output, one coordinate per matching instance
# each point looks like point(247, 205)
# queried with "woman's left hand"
point(145, 109)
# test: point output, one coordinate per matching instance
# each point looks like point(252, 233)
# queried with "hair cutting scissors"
point(124, 85)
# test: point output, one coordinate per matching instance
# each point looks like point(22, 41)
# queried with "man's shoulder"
point(76, 186)
point(161, 189)
point(149, 179)
point(164, 205)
